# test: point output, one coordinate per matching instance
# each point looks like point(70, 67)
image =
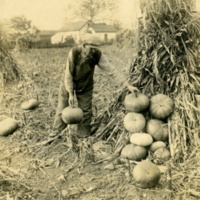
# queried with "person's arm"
point(68, 78)
point(105, 65)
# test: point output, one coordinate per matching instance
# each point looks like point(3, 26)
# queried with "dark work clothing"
point(82, 71)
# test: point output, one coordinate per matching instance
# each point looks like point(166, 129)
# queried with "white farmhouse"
point(72, 29)
point(104, 31)
point(78, 29)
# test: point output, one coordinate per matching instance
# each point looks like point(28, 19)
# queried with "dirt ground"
point(32, 170)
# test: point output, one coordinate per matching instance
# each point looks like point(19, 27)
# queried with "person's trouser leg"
point(63, 98)
point(85, 103)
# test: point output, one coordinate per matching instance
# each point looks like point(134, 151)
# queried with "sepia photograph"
point(99, 100)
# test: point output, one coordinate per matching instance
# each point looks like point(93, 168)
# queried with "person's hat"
point(91, 39)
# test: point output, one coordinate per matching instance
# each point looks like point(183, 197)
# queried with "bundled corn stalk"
point(167, 63)
point(9, 70)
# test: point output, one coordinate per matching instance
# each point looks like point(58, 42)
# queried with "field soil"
point(32, 169)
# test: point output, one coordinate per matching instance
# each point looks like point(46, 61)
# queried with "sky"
point(45, 14)
point(50, 14)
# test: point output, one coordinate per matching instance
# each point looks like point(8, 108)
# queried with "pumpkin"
point(72, 115)
point(162, 154)
point(133, 152)
point(156, 145)
point(141, 139)
point(30, 104)
point(136, 102)
point(8, 126)
point(146, 174)
point(134, 122)
point(157, 129)
point(161, 106)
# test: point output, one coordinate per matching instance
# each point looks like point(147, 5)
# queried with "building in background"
point(46, 34)
point(105, 32)
point(76, 30)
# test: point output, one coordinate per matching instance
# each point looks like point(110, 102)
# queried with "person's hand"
point(132, 88)
point(71, 100)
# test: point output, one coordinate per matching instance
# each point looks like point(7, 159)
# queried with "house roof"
point(73, 26)
point(76, 26)
point(102, 27)
point(47, 32)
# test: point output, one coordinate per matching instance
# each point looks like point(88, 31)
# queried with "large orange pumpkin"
point(136, 102)
point(161, 106)
point(133, 152)
point(157, 129)
point(72, 115)
point(134, 122)
point(141, 139)
point(146, 174)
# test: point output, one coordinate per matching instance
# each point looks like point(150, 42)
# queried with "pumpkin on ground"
point(156, 145)
point(157, 129)
point(8, 126)
point(141, 139)
point(30, 104)
point(136, 102)
point(72, 115)
point(162, 154)
point(146, 174)
point(133, 152)
point(134, 122)
point(161, 106)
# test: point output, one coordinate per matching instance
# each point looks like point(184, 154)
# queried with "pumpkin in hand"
point(161, 106)
point(72, 115)
point(134, 122)
point(133, 152)
point(157, 129)
point(135, 102)
point(146, 174)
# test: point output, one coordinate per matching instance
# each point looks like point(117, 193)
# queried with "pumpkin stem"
point(135, 93)
point(72, 106)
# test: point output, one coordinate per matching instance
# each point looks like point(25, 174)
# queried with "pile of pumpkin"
point(146, 123)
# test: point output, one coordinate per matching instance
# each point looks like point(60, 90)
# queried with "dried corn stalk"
point(167, 62)
point(9, 70)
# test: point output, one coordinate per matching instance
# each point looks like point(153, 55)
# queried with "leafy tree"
point(93, 10)
point(22, 31)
